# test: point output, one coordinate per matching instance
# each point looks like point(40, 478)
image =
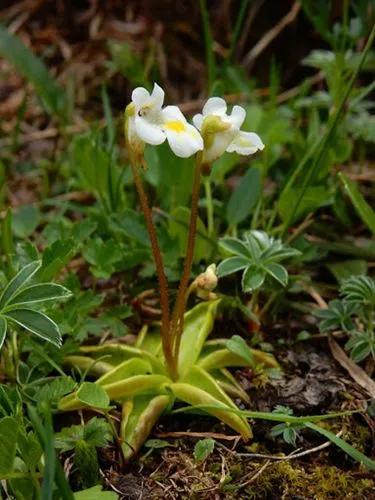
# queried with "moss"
point(287, 480)
point(236, 471)
point(358, 436)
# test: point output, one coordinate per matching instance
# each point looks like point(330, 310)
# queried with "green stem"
point(319, 148)
point(209, 207)
point(237, 29)
point(163, 284)
point(177, 322)
point(254, 300)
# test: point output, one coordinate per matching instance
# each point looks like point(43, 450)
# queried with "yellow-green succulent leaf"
point(223, 358)
point(195, 396)
point(70, 402)
point(141, 335)
point(118, 353)
point(229, 384)
point(137, 384)
point(139, 415)
point(149, 340)
point(92, 366)
point(123, 389)
point(264, 359)
point(201, 379)
point(126, 369)
point(198, 325)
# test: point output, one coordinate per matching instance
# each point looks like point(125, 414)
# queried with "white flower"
point(153, 124)
point(222, 132)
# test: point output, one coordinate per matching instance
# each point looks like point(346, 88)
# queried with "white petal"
point(173, 113)
point(140, 96)
point(198, 120)
point(237, 116)
point(183, 138)
point(245, 143)
point(157, 96)
point(215, 106)
point(184, 143)
point(149, 132)
point(220, 144)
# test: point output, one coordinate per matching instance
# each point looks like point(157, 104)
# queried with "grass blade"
point(237, 28)
point(366, 213)
point(319, 148)
point(208, 43)
point(347, 448)
point(273, 417)
point(31, 67)
point(307, 420)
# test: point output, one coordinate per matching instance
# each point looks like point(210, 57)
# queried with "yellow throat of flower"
point(175, 125)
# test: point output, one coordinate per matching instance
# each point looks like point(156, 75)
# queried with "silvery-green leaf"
point(278, 272)
point(232, 265)
point(40, 293)
point(253, 278)
point(3, 330)
point(37, 323)
point(234, 246)
point(18, 281)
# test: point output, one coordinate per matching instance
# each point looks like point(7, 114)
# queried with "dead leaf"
point(355, 371)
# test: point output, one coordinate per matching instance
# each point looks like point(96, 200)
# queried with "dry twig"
point(213, 435)
point(355, 371)
point(271, 35)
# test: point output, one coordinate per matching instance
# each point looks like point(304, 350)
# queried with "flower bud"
point(205, 283)
point(134, 144)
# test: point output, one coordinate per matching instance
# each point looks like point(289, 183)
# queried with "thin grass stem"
point(208, 43)
point(319, 148)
